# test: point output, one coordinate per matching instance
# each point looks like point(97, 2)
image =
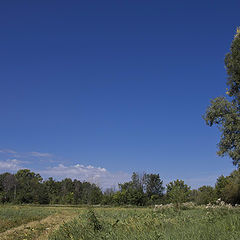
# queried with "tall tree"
point(225, 112)
point(154, 185)
point(28, 186)
point(132, 192)
point(8, 186)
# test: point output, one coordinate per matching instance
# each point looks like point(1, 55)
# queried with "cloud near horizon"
point(10, 165)
point(97, 175)
point(12, 161)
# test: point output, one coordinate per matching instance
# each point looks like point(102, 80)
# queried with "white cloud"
point(39, 154)
point(97, 175)
point(10, 165)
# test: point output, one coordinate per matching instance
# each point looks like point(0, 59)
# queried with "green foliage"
point(228, 188)
point(178, 192)
point(8, 184)
point(107, 198)
point(232, 63)
point(154, 186)
point(43, 196)
point(142, 189)
point(220, 185)
point(226, 113)
point(28, 187)
point(232, 189)
point(206, 194)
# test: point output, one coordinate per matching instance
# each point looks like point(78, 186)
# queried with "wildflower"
point(222, 203)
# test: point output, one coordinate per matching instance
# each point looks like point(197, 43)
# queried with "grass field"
point(60, 223)
point(13, 216)
point(32, 222)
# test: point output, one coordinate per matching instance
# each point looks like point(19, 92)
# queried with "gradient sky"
point(99, 89)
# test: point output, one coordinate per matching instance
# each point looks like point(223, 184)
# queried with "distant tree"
point(129, 194)
point(67, 186)
point(137, 182)
point(154, 185)
point(121, 197)
point(194, 194)
point(225, 112)
point(95, 194)
point(43, 194)
point(78, 189)
point(67, 189)
point(220, 185)
point(28, 186)
point(178, 192)
point(54, 190)
point(142, 189)
point(206, 194)
point(133, 191)
point(107, 198)
point(228, 188)
point(91, 194)
point(8, 185)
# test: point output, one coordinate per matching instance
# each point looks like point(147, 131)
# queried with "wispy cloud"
point(26, 155)
point(7, 151)
point(97, 175)
point(10, 165)
point(39, 154)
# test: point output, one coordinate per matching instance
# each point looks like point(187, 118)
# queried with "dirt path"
point(38, 230)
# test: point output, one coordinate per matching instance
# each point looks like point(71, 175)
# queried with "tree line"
point(26, 187)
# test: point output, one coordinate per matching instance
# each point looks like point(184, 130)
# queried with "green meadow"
point(144, 223)
point(86, 223)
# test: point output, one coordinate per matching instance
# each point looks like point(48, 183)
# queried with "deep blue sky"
point(121, 85)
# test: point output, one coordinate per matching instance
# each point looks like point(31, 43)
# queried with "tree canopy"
point(225, 111)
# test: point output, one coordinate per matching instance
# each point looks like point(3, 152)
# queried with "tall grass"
point(13, 216)
point(143, 223)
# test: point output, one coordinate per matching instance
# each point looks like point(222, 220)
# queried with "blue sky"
point(99, 89)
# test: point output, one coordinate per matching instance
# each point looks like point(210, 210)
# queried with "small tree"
point(178, 192)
